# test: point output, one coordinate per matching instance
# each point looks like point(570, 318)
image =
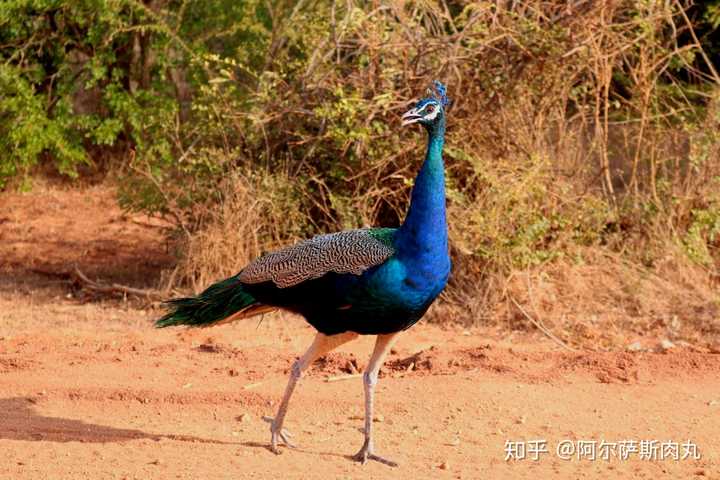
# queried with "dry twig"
point(541, 327)
point(338, 378)
point(82, 279)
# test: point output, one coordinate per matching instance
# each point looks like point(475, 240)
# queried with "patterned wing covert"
point(351, 251)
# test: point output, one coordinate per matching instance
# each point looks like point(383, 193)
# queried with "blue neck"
point(424, 232)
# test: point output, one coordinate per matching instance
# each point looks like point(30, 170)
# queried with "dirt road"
point(93, 392)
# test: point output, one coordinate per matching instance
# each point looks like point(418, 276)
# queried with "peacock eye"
point(430, 108)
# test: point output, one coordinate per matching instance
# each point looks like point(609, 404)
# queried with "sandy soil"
point(88, 389)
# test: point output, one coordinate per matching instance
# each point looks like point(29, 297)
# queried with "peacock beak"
point(411, 117)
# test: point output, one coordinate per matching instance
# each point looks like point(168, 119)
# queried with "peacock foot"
point(278, 434)
point(366, 453)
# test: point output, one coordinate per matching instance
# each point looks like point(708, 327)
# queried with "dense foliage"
point(574, 123)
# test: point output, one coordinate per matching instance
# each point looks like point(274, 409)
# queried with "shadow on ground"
point(20, 421)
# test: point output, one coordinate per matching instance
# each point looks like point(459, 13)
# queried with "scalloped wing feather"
point(351, 251)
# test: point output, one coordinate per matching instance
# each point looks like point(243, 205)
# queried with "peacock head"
point(430, 111)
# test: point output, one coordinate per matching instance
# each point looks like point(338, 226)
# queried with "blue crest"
point(440, 93)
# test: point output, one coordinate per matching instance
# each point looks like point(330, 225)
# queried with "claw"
point(278, 433)
point(366, 453)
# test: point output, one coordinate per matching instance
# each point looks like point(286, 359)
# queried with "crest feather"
point(439, 92)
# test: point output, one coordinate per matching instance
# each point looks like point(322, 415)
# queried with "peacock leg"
point(382, 347)
point(321, 345)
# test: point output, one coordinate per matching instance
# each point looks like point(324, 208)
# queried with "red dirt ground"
point(88, 389)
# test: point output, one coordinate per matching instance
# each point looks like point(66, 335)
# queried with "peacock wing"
point(351, 251)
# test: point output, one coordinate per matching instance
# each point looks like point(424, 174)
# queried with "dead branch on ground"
point(83, 281)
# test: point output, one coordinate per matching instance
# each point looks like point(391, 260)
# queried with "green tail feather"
point(216, 303)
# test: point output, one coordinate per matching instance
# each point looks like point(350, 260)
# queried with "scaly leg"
point(382, 347)
point(320, 346)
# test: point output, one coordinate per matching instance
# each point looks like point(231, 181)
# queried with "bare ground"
point(88, 389)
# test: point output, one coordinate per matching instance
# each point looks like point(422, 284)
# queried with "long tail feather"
point(218, 302)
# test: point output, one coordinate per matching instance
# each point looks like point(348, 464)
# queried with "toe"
point(382, 460)
point(273, 446)
point(361, 457)
point(278, 434)
point(364, 455)
point(285, 437)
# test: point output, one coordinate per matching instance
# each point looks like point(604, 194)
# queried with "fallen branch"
point(85, 282)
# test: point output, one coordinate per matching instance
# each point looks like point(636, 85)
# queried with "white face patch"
point(428, 112)
point(430, 115)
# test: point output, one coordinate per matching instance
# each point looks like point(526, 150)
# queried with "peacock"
point(369, 281)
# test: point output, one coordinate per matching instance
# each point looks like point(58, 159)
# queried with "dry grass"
point(606, 300)
point(256, 215)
